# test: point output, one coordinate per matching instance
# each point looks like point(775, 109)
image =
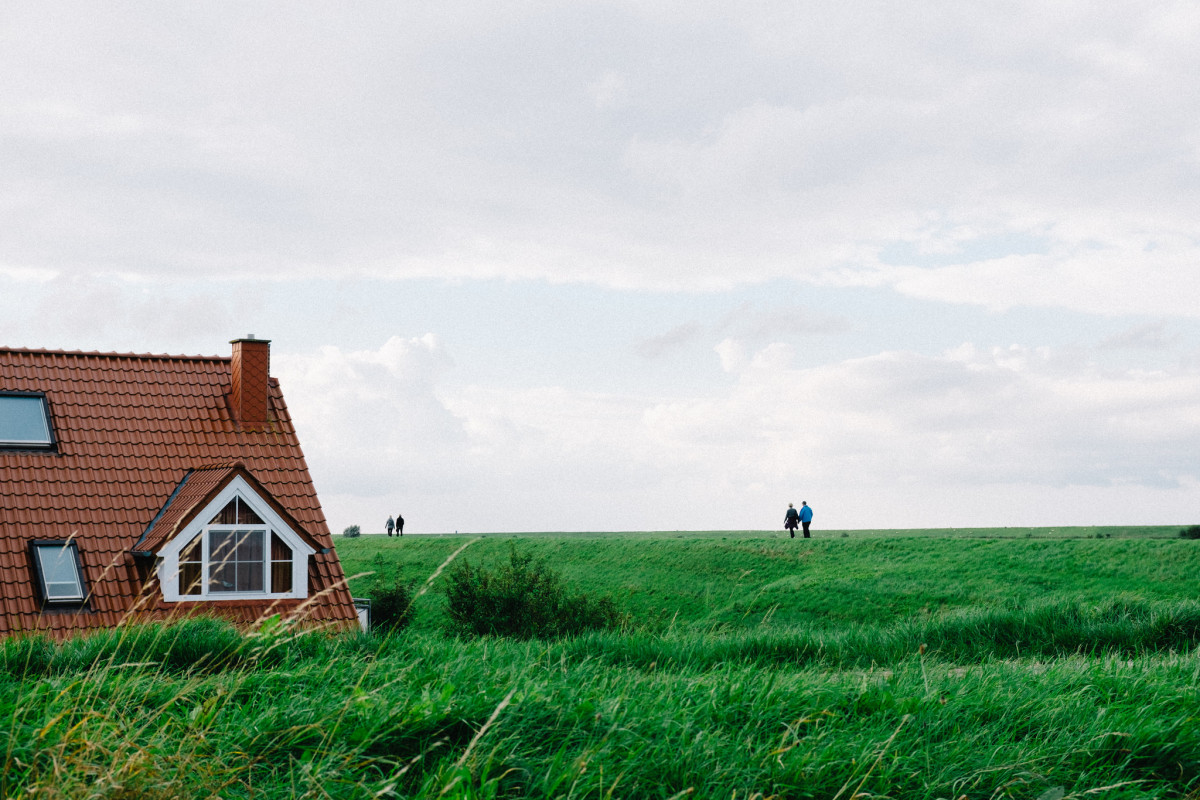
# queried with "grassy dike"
point(1054, 667)
point(741, 580)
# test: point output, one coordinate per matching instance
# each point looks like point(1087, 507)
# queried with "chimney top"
point(250, 391)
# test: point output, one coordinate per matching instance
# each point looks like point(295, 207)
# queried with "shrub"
point(352, 532)
point(523, 599)
point(1190, 533)
point(391, 606)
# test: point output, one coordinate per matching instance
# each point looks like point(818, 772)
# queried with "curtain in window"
point(281, 565)
point(190, 563)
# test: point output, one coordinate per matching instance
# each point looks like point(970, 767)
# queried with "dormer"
point(222, 537)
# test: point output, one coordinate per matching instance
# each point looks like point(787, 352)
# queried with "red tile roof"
point(128, 428)
point(193, 492)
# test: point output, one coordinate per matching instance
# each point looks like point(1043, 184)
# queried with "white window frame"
point(168, 566)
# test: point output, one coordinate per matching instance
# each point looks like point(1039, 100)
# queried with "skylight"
point(24, 421)
point(58, 564)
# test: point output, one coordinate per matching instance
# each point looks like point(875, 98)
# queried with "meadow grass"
point(1071, 685)
point(740, 579)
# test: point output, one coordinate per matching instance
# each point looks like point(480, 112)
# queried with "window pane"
point(281, 576)
point(246, 515)
point(250, 577)
point(236, 561)
point(59, 572)
point(281, 565)
point(220, 546)
point(236, 512)
point(222, 578)
point(227, 515)
point(191, 552)
point(23, 420)
point(189, 578)
point(250, 546)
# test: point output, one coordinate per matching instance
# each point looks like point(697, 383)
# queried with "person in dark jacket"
point(791, 520)
point(805, 517)
point(399, 525)
point(390, 525)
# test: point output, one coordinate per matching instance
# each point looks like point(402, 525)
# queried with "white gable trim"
point(168, 564)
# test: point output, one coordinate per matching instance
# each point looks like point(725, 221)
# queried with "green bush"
point(522, 599)
point(391, 606)
point(1190, 533)
point(352, 532)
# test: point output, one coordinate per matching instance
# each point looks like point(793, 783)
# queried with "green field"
point(932, 664)
point(736, 579)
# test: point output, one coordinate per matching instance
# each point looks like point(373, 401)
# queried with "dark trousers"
point(806, 523)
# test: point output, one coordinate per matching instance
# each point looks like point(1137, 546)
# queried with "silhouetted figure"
point(792, 520)
point(391, 525)
point(805, 518)
point(399, 525)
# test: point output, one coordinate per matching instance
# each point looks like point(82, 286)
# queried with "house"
point(149, 487)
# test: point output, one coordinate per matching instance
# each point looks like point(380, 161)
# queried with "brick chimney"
point(250, 392)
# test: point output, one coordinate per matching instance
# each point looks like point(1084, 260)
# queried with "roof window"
point(59, 575)
point(24, 421)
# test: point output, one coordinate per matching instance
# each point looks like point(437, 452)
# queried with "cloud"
point(1111, 280)
point(657, 346)
point(69, 310)
point(371, 421)
point(961, 430)
point(161, 187)
point(732, 354)
point(465, 142)
point(747, 325)
point(771, 323)
point(608, 90)
point(1150, 336)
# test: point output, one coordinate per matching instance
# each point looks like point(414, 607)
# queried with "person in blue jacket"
point(805, 518)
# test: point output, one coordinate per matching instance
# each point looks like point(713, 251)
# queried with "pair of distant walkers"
point(802, 517)
point(396, 525)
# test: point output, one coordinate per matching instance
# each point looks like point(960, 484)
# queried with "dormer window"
point(243, 550)
point(25, 421)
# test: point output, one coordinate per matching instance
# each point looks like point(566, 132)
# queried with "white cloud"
point(656, 346)
point(1148, 336)
point(608, 90)
point(1113, 281)
point(961, 430)
point(732, 354)
point(162, 187)
point(796, 142)
point(373, 428)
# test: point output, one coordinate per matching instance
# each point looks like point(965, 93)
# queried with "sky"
point(640, 266)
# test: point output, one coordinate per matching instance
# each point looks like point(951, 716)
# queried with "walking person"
point(399, 525)
point(791, 520)
point(390, 525)
point(805, 518)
